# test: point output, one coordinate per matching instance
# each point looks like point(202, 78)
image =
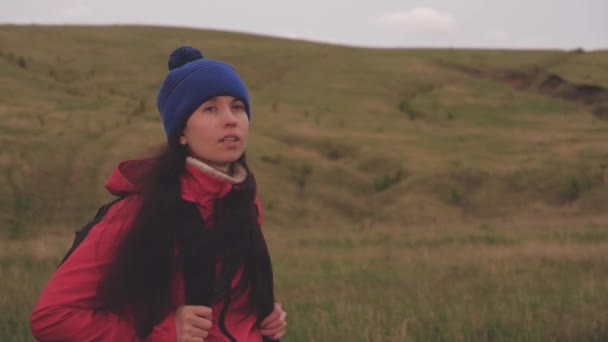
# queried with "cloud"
point(296, 36)
point(290, 35)
point(424, 19)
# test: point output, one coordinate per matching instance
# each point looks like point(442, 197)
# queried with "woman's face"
point(217, 131)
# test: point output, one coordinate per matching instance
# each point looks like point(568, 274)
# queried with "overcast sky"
point(561, 24)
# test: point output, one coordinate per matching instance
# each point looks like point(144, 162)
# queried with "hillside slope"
point(340, 135)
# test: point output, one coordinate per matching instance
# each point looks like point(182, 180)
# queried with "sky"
point(528, 24)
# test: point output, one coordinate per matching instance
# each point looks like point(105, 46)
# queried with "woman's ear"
point(183, 140)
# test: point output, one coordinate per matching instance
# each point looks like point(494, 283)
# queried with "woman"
point(181, 257)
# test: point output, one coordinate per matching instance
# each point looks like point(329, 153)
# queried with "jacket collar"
point(202, 183)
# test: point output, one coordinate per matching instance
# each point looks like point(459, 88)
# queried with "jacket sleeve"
point(68, 308)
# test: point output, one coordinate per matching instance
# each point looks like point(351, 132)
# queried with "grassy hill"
point(369, 135)
point(375, 167)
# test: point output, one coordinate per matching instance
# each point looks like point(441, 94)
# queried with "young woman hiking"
point(181, 256)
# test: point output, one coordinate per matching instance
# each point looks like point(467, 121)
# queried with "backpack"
point(82, 233)
point(197, 272)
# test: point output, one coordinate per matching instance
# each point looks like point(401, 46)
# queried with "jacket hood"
point(126, 177)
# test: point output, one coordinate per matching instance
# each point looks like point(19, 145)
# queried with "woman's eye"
point(209, 109)
point(238, 107)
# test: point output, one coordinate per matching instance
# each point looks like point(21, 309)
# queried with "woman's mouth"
point(230, 140)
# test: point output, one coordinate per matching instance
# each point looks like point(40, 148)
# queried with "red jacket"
point(66, 308)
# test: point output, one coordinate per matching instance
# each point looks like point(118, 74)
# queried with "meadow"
point(408, 194)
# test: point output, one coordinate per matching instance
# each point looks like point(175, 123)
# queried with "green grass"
point(466, 284)
point(487, 282)
point(405, 196)
point(587, 68)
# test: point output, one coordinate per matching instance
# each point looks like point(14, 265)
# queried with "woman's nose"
point(230, 117)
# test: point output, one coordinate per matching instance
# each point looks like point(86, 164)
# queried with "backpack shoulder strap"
point(197, 257)
point(82, 233)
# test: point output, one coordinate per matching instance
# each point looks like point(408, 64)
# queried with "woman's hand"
point(274, 325)
point(192, 323)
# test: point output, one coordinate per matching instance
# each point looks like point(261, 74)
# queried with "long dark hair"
point(138, 282)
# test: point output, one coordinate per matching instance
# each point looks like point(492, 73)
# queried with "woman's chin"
point(226, 160)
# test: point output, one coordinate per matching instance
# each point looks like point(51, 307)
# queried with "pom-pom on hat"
point(192, 80)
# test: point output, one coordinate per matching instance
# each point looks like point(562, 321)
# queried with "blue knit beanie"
point(191, 81)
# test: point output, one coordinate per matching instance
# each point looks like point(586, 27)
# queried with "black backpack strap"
point(84, 231)
point(198, 257)
point(198, 261)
